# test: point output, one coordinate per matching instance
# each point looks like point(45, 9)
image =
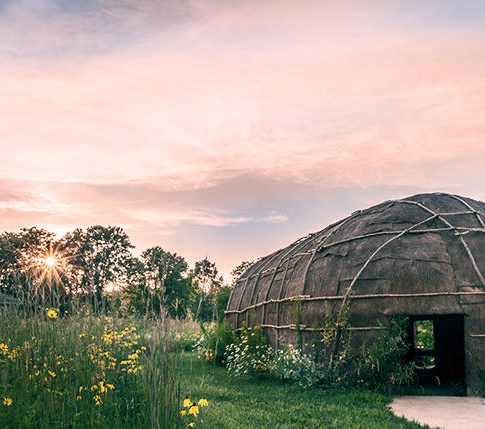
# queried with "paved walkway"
point(448, 412)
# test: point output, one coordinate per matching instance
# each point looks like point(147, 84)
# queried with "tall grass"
point(86, 371)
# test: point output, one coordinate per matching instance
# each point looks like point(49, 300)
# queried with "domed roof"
point(426, 243)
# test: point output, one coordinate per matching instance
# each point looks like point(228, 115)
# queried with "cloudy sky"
point(228, 128)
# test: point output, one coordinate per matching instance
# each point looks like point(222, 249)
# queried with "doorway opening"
point(437, 349)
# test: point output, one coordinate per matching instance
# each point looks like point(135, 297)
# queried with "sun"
point(50, 261)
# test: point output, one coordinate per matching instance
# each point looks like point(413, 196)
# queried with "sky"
point(229, 128)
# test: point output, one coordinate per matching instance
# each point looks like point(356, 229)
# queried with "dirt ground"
point(448, 412)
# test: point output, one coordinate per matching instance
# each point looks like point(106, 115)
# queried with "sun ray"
point(47, 270)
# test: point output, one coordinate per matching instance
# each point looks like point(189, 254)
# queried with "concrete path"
point(448, 412)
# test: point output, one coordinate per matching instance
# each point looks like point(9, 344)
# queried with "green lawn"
point(237, 403)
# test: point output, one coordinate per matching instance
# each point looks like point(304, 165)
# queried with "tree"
point(168, 281)
point(206, 283)
point(134, 290)
point(28, 268)
point(237, 272)
point(205, 272)
point(99, 257)
point(9, 263)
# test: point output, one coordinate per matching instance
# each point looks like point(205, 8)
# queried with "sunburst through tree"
point(47, 271)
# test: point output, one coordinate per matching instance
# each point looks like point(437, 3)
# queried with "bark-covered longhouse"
point(422, 256)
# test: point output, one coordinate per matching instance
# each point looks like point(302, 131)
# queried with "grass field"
point(87, 372)
point(237, 403)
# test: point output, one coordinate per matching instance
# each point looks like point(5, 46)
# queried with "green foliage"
point(138, 298)
point(243, 403)
point(237, 272)
point(246, 354)
point(22, 273)
point(86, 262)
point(184, 335)
point(254, 336)
point(424, 337)
point(207, 285)
point(167, 283)
point(91, 266)
point(213, 342)
point(334, 353)
point(382, 365)
point(290, 364)
point(250, 355)
point(98, 256)
point(210, 307)
point(379, 366)
point(151, 396)
point(161, 381)
point(83, 372)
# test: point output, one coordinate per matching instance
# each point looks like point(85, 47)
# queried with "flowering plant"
point(190, 412)
point(251, 355)
point(212, 344)
point(291, 364)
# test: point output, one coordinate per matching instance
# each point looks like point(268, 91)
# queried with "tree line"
point(95, 268)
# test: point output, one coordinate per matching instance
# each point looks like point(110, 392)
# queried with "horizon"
point(230, 129)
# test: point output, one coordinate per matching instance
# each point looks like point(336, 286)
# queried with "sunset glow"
point(230, 128)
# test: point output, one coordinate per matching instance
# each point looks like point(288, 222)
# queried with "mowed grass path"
point(239, 403)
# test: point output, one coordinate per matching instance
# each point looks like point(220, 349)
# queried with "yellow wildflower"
point(183, 412)
point(104, 387)
point(52, 373)
point(7, 401)
point(203, 402)
point(3, 348)
point(187, 402)
point(191, 425)
point(97, 399)
point(134, 355)
point(52, 313)
point(78, 397)
point(194, 409)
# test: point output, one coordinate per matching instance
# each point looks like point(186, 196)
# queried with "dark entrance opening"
point(437, 348)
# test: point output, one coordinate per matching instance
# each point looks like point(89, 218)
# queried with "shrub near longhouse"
point(381, 366)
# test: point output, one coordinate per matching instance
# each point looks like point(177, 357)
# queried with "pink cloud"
point(144, 114)
point(327, 95)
